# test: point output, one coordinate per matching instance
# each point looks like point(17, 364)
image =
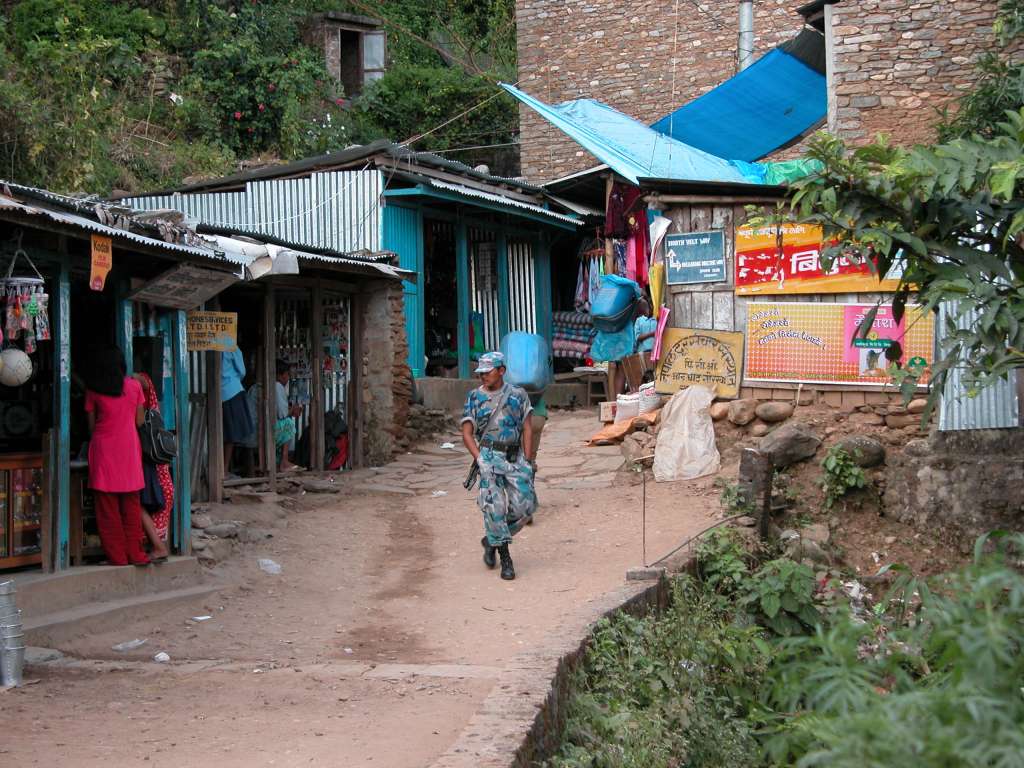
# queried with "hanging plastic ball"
point(16, 367)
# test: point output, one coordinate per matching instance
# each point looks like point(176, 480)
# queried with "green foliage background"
point(86, 87)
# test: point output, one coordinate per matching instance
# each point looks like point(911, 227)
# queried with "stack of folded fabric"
point(572, 335)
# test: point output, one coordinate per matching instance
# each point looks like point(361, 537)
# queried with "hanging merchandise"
point(594, 278)
point(619, 257)
point(621, 199)
point(25, 312)
point(657, 278)
point(640, 238)
point(581, 297)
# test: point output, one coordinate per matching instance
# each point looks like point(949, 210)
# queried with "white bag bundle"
point(686, 438)
point(627, 407)
point(649, 399)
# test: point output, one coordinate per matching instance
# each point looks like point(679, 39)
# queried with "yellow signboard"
point(212, 331)
point(102, 261)
point(763, 268)
point(819, 343)
point(710, 358)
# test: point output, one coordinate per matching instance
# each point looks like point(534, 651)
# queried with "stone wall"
point(961, 484)
point(386, 378)
point(623, 54)
point(897, 62)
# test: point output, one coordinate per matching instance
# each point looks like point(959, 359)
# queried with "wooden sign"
point(709, 358)
point(102, 261)
point(184, 286)
point(695, 257)
point(212, 331)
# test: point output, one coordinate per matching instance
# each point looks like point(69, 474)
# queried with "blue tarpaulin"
point(634, 150)
point(775, 100)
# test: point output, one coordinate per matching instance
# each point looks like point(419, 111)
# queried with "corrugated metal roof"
point(492, 198)
point(227, 250)
point(90, 225)
point(244, 251)
point(346, 157)
point(994, 407)
point(337, 211)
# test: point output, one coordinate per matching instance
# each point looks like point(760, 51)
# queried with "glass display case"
point(21, 509)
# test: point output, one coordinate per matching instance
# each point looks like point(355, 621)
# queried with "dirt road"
point(380, 637)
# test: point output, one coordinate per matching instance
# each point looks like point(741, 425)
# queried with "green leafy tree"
point(951, 216)
point(1000, 79)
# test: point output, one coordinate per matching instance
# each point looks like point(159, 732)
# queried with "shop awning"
point(771, 103)
point(634, 150)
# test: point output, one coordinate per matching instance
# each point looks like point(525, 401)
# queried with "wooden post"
point(46, 510)
point(755, 487)
point(504, 290)
point(270, 382)
point(215, 468)
point(125, 328)
point(609, 251)
point(462, 290)
point(316, 384)
point(542, 281)
point(354, 398)
point(61, 451)
point(181, 466)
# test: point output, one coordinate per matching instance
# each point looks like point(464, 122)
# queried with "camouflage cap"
point(489, 361)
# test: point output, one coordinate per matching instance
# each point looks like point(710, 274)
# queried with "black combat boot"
point(507, 571)
point(489, 559)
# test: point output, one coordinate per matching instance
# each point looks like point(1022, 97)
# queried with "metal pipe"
point(746, 40)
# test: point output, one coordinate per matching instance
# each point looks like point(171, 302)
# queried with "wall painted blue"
point(403, 234)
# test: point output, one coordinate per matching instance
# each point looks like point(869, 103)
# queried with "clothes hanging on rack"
point(640, 238)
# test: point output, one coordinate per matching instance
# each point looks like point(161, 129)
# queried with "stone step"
point(53, 630)
point(40, 594)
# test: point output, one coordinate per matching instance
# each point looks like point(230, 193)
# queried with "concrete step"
point(56, 629)
point(40, 594)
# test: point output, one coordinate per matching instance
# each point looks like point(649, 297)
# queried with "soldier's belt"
point(496, 445)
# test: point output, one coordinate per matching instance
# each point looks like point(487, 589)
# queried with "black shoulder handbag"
point(159, 446)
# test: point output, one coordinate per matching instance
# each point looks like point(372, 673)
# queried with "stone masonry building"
point(892, 64)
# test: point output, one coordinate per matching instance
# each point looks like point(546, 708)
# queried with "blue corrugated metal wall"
point(403, 234)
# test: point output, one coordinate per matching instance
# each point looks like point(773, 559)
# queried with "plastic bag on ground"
point(686, 439)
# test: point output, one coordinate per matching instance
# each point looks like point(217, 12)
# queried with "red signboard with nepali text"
point(761, 270)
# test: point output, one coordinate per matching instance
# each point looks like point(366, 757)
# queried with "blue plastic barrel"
point(527, 361)
point(615, 303)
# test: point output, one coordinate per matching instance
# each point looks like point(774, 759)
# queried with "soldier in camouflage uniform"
point(497, 430)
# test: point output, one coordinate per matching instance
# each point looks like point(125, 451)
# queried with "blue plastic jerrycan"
point(527, 361)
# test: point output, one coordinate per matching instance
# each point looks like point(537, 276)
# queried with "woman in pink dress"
point(114, 404)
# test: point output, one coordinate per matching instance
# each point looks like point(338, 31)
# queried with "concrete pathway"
point(382, 639)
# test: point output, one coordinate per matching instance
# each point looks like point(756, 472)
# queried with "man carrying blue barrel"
point(497, 431)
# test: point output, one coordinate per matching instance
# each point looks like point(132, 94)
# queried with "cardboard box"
point(606, 411)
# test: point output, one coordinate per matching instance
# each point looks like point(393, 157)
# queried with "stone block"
point(742, 412)
point(774, 411)
point(790, 443)
point(719, 411)
point(899, 421)
point(917, 406)
point(865, 451)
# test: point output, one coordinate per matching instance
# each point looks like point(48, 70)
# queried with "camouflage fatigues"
point(506, 495)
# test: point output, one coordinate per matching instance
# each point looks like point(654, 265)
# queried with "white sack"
point(686, 438)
